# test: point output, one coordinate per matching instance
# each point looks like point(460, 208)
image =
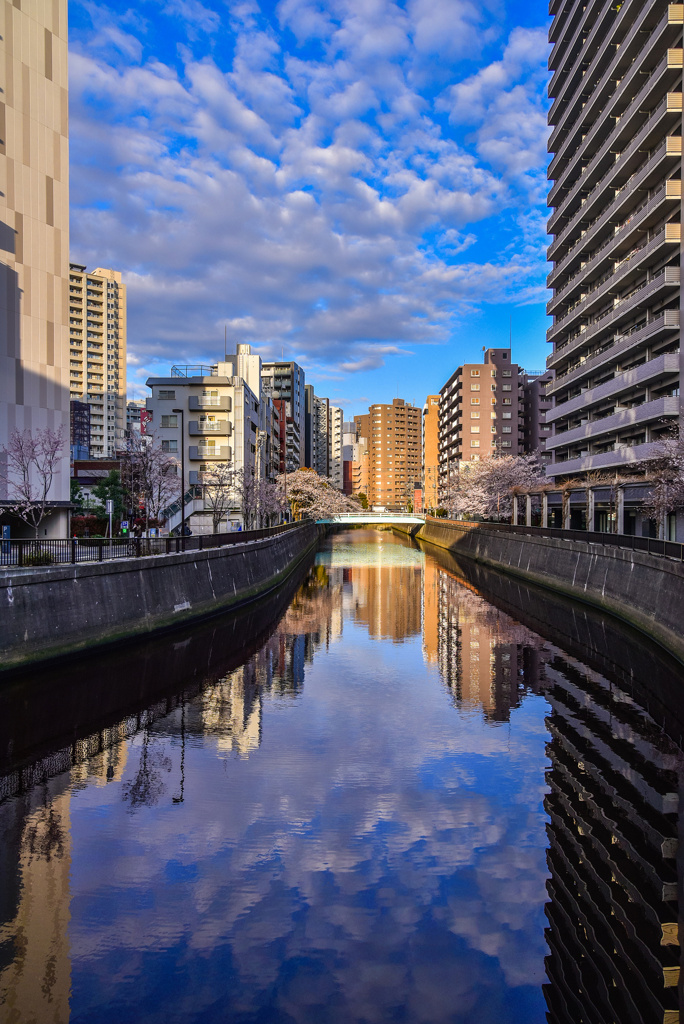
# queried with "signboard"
point(109, 506)
point(145, 418)
point(124, 524)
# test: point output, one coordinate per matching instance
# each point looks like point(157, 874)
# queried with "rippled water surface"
point(404, 805)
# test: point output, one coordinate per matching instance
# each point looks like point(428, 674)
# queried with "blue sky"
point(358, 184)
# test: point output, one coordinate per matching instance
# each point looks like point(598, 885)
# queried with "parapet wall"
point(54, 611)
point(646, 591)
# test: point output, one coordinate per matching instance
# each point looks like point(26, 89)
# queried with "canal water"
point(402, 795)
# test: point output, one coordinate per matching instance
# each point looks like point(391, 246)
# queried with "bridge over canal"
point(374, 519)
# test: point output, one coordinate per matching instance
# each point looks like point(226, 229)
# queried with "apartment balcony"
point(622, 237)
point(647, 374)
point(623, 455)
point(638, 82)
point(617, 347)
point(219, 403)
point(594, 430)
point(220, 453)
point(573, 33)
point(199, 428)
point(623, 306)
point(612, 166)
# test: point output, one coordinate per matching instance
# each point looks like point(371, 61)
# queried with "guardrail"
point(669, 548)
point(24, 554)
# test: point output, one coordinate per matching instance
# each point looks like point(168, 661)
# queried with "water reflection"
point(365, 817)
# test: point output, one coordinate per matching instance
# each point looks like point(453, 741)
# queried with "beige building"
point(478, 415)
point(395, 453)
point(431, 452)
point(34, 229)
point(97, 353)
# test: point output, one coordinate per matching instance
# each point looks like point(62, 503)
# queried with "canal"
point(402, 790)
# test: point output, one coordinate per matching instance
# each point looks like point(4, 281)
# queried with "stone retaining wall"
point(646, 591)
point(55, 611)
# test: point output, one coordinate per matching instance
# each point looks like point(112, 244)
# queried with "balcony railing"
point(636, 376)
point(221, 453)
point(220, 402)
point(616, 421)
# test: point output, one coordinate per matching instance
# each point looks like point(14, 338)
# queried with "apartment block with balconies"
point(616, 91)
point(97, 353)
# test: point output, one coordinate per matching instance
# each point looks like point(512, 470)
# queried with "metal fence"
point(25, 554)
point(669, 548)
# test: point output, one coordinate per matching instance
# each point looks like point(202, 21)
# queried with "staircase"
point(193, 502)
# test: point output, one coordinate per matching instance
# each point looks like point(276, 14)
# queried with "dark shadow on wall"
point(22, 386)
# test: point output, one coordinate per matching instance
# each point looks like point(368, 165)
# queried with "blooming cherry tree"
point(31, 459)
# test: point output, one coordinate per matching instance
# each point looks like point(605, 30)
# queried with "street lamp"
point(182, 508)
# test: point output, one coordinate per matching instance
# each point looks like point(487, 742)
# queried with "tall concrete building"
point(285, 381)
point(616, 226)
point(395, 453)
point(478, 414)
point(335, 441)
point(97, 353)
point(34, 231)
point(431, 452)
point(534, 404)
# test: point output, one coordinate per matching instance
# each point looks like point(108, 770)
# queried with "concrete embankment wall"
point(646, 591)
point(54, 611)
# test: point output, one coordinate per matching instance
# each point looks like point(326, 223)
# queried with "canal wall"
point(645, 591)
point(57, 611)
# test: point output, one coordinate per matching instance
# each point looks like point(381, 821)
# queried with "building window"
point(475, 414)
point(169, 421)
point(474, 444)
point(506, 401)
point(474, 401)
point(166, 395)
point(506, 444)
point(474, 387)
point(474, 430)
point(169, 446)
point(506, 387)
point(474, 373)
point(507, 415)
point(505, 373)
point(506, 430)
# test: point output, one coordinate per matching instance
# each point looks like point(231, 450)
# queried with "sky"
point(359, 185)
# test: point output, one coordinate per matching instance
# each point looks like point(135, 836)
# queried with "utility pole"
point(182, 416)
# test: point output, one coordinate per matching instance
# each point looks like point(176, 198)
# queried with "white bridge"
point(374, 519)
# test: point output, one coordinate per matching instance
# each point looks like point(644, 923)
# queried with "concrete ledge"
point(645, 591)
point(54, 611)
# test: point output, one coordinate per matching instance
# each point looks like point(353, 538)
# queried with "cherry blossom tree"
point(219, 493)
point(486, 488)
point(666, 472)
point(150, 475)
point(31, 459)
point(311, 496)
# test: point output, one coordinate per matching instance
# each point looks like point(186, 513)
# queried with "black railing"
point(24, 554)
point(669, 548)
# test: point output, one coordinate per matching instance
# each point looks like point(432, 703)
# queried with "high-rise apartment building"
point(34, 232)
point(616, 226)
point(431, 452)
point(535, 404)
point(97, 353)
point(285, 381)
point(335, 443)
point(478, 414)
point(395, 452)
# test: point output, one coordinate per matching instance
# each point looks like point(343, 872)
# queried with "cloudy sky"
point(358, 184)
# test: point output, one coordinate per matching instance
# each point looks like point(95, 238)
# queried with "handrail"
point(652, 546)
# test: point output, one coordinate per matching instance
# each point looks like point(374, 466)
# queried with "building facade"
point(97, 353)
point(335, 441)
point(478, 415)
point(431, 452)
point(534, 405)
point(79, 430)
point(616, 92)
point(285, 381)
point(395, 452)
point(34, 234)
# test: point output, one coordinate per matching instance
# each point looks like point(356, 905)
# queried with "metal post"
point(182, 416)
point(528, 510)
point(73, 550)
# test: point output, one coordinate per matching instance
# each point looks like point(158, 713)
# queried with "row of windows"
point(504, 387)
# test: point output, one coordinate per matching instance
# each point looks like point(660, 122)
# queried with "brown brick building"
point(395, 453)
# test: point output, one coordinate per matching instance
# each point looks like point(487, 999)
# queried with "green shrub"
point(39, 558)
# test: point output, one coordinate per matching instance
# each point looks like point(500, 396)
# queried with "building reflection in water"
point(613, 779)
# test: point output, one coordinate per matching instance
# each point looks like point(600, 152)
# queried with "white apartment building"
point(97, 353)
point(336, 445)
point(208, 416)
